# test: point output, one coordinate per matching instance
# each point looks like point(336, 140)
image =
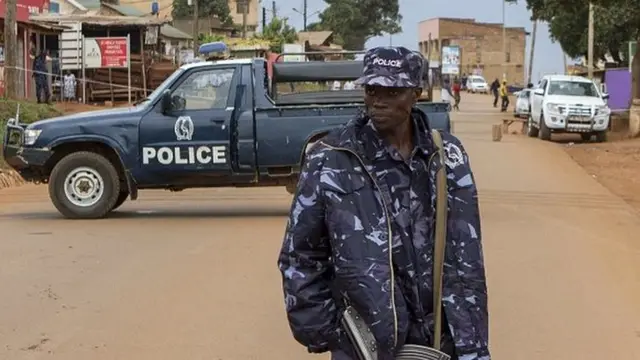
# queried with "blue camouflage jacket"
point(338, 242)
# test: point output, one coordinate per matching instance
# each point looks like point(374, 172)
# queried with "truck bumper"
point(27, 161)
point(564, 123)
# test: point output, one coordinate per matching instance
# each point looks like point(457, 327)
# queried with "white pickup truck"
point(568, 104)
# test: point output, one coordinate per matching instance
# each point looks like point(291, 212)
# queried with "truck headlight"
point(603, 110)
point(31, 135)
point(554, 108)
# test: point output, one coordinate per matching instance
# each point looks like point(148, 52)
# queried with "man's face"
point(389, 107)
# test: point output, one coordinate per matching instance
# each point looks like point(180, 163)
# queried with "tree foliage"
point(615, 23)
point(278, 33)
point(353, 22)
point(206, 8)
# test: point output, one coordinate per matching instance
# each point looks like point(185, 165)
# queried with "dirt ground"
point(615, 164)
point(193, 275)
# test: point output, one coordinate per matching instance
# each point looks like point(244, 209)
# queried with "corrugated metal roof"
point(89, 4)
point(101, 19)
point(169, 31)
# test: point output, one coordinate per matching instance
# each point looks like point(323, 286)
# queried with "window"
point(524, 94)
point(240, 4)
point(205, 89)
point(572, 88)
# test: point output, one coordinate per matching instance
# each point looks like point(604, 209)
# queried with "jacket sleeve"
point(304, 262)
point(464, 236)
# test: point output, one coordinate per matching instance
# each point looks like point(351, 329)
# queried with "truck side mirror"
point(605, 96)
point(165, 102)
point(538, 91)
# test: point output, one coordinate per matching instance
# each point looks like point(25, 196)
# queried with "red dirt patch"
point(615, 164)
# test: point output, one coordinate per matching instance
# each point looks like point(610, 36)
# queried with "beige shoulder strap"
point(440, 238)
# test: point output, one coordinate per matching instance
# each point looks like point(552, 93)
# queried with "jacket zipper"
point(389, 239)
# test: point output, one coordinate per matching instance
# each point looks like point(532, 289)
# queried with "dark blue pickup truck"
point(209, 124)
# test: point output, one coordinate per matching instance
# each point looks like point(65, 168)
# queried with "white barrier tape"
point(80, 80)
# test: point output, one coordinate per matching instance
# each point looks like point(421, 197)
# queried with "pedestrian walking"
point(368, 220)
point(504, 95)
point(456, 94)
point(495, 88)
point(446, 93)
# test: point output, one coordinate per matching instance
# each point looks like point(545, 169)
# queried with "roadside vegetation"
point(29, 112)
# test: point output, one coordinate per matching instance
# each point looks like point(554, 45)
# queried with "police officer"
point(40, 72)
point(361, 228)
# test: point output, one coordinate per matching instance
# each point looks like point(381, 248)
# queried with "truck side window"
point(206, 89)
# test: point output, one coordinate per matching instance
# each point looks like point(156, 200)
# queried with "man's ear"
point(416, 94)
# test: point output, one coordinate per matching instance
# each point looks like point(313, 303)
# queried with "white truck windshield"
point(572, 88)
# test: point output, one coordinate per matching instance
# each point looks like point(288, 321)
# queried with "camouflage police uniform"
point(358, 201)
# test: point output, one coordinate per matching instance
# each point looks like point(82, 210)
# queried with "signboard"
point(24, 8)
point(293, 48)
point(106, 52)
point(451, 60)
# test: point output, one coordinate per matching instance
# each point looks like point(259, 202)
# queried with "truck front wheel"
point(544, 132)
point(601, 136)
point(84, 185)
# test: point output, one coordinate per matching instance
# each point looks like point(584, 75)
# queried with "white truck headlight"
point(553, 108)
point(603, 110)
point(31, 135)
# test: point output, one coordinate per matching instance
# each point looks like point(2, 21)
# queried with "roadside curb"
point(9, 178)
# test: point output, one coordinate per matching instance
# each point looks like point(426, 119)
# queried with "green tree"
point(206, 8)
point(615, 23)
point(278, 33)
point(353, 22)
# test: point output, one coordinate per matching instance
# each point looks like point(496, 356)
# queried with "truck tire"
point(544, 133)
point(122, 197)
point(586, 137)
point(532, 131)
point(601, 136)
point(84, 185)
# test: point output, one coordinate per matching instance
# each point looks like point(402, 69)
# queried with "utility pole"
point(273, 10)
point(245, 10)
point(264, 18)
point(504, 41)
point(304, 15)
point(531, 51)
point(10, 51)
point(590, 42)
point(196, 28)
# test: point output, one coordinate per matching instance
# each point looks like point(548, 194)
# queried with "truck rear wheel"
point(84, 185)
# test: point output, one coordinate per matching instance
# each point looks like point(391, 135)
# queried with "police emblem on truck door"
point(183, 128)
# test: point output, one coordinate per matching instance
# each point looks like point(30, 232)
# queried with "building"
point(235, 6)
point(480, 45)
point(32, 37)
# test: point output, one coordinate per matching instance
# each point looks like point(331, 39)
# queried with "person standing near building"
point(40, 73)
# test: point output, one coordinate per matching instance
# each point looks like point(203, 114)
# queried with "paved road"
point(160, 280)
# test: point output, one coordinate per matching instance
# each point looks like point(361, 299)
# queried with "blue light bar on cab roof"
point(212, 48)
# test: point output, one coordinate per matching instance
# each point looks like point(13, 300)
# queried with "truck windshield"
point(572, 88)
point(160, 89)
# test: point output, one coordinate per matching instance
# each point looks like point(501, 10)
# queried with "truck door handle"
point(218, 121)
